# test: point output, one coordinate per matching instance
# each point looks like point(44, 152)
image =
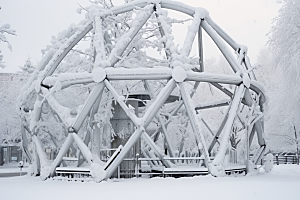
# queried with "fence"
point(279, 159)
point(131, 166)
point(286, 159)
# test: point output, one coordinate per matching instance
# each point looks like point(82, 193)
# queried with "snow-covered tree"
point(9, 121)
point(285, 35)
point(284, 40)
point(278, 70)
point(28, 66)
point(5, 29)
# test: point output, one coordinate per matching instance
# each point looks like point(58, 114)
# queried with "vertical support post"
point(137, 165)
point(200, 48)
point(247, 147)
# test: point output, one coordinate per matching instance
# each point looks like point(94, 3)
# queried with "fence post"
point(277, 159)
point(137, 165)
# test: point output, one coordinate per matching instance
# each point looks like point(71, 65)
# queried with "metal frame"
point(240, 80)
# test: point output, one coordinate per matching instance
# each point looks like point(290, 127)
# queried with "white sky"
point(246, 21)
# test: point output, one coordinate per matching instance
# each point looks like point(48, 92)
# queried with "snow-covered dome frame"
point(247, 91)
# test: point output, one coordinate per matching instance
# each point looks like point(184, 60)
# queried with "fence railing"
point(131, 166)
point(286, 159)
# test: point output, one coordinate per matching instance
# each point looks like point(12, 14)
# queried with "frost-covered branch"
point(5, 29)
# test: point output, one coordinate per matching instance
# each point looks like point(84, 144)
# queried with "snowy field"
point(282, 183)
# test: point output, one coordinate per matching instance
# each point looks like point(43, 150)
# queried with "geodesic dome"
point(80, 90)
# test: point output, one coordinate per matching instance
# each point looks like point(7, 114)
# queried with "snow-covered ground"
point(282, 183)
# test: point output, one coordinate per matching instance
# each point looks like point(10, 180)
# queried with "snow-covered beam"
point(192, 31)
point(220, 103)
point(25, 142)
point(62, 152)
point(67, 84)
point(37, 112)
point(65, 48)
point(158, 102)
point(200, 49)
point(208, 128)
point(213, 78)
point(126, 7)
point(62, 111)
point(127, 147)
point(97, 91)
point(83, 148)
point(42, 158)
point(86, 140)
point(249, 67)
point(23, 136)
point(98, 41)
point(258, 89)
point(120, 100)
point(258, 126)
point(223, 89)
point(217, 164)
point(218, 133)
point(68, 79)
point(127, 38)
point(168, 38)
point(176, 109)
point(40, 151)
point(94, 126)
point(230, 94)
point(156, 149)
point(162, 34)
point(223, 34)
point(196, 126)
point(169, 146)
point(173, 5)
point(138, 74)
point(147, 118)
point(178, 6)
point(222, 47)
